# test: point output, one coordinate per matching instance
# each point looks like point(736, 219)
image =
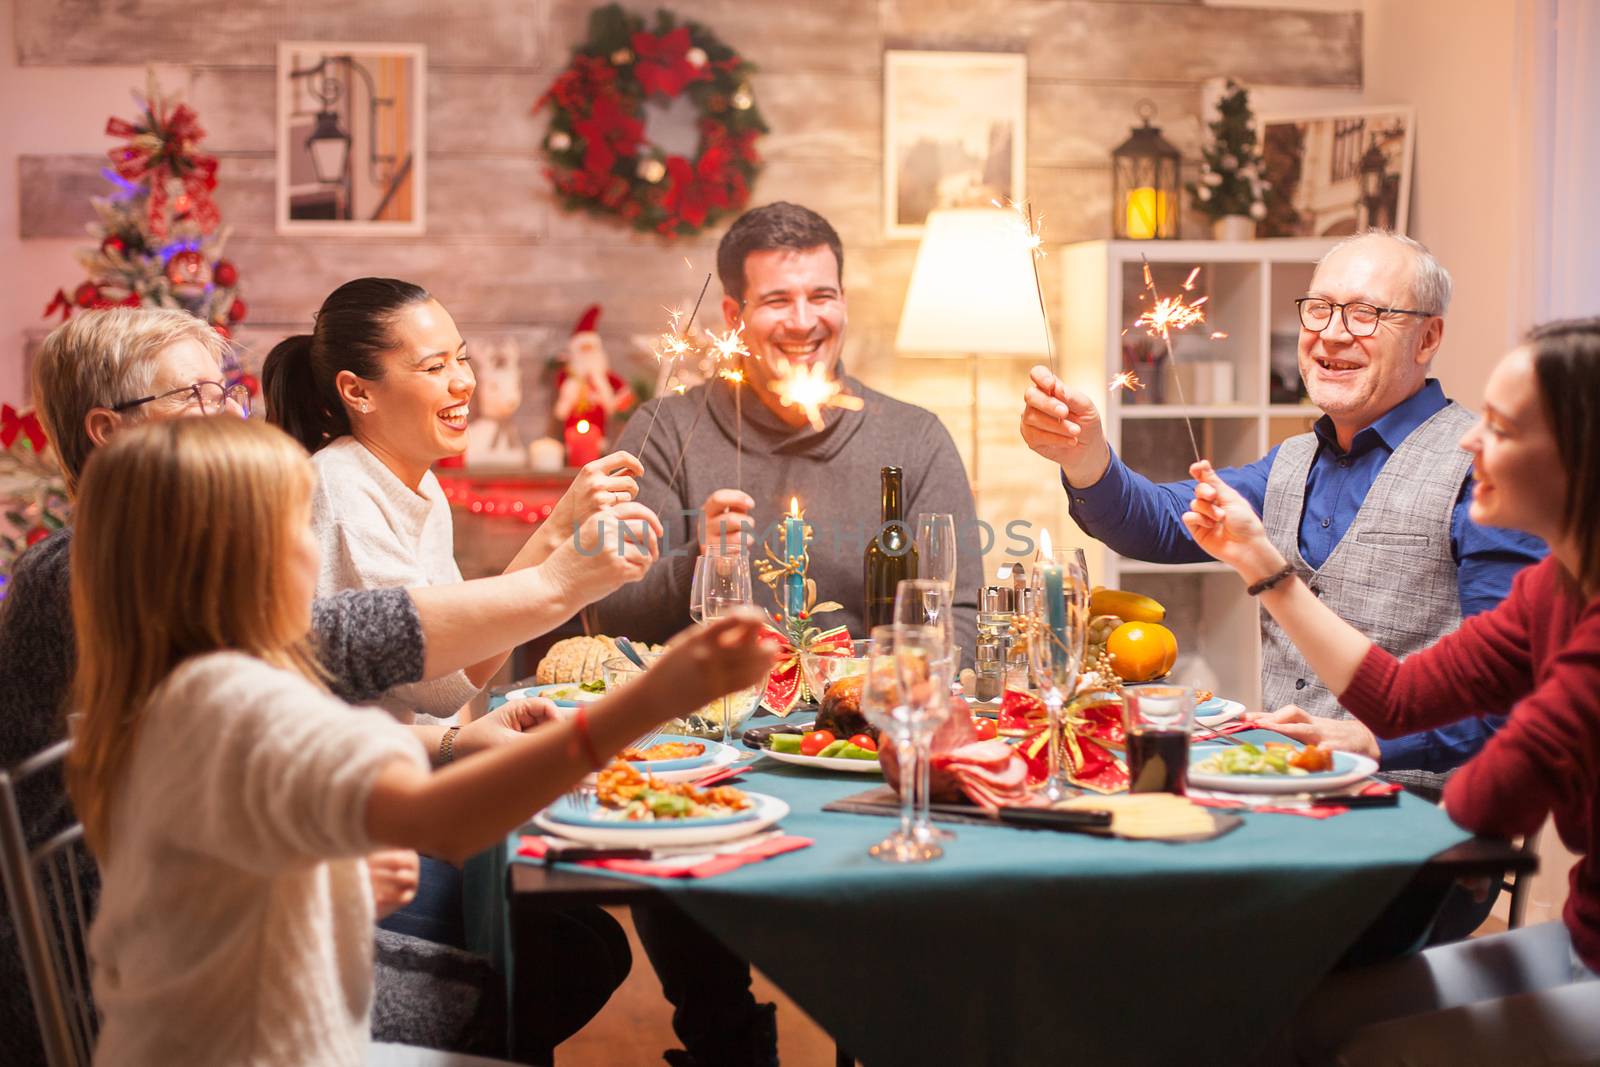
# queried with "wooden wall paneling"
point(470, 34)
point(821, 116)
point(1075, 123)
point(1140, 42)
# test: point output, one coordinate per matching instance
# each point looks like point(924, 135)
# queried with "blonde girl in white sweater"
point(228, 797)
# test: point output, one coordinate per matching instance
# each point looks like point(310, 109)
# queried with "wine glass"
point(883, 703)
point(1058, 623)
point(925, 602)
point(724, 589)
point(935, 541)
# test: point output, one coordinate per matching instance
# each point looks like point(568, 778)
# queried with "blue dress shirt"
point(1140, 519)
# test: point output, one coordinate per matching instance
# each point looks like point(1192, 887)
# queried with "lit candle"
point(794, 550)
point(1054, 591)
point(1147, 211)
point(583, 443)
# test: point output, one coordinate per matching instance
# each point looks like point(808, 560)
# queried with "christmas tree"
point(34, 496)
point(160, 239)
point(1232, 179)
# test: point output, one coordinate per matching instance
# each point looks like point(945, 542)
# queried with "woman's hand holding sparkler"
point(724, 518)
point(1224, 524)
point(602, 483)
point(1063, 426)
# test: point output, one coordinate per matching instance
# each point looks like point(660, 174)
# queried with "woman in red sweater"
point(1536, 464)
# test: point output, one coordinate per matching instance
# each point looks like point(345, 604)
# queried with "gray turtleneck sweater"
point(835, 474)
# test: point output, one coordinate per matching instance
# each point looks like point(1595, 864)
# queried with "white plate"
point(827, 763)
point(709, 751)
point(725, 756)
point(578, 696)
point(768, 810)
point(1348, 769)
point(1228, 711)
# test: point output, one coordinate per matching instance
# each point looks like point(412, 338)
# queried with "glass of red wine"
point(1158, 720)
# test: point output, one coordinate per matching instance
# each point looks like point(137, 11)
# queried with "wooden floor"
point(636, 1025)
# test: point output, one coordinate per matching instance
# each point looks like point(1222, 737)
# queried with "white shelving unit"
point(1228, 391)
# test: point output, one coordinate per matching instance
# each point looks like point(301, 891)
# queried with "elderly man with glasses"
point(1370, 507)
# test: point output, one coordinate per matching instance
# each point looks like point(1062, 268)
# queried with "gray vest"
point(1392, 575)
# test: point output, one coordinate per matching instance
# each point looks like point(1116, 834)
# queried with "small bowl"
point(822, 670)
point(703, 722)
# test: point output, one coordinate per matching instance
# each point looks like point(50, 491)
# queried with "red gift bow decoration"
point(1090, 737)
point(663, 65)
point(14, 423)
point(161, 150)
point(785, 682)
point(60, 302)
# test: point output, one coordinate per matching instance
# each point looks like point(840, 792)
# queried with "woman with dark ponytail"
point(378, 393)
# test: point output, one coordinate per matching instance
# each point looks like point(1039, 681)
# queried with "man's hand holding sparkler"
point(1224, 524)
point(725, 518)
point(1063, 426)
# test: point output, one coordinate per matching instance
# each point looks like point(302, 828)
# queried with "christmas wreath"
point(601, 159)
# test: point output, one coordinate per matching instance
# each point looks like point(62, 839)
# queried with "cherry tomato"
point(864, 741)
point(816, 741)
point(986, 728)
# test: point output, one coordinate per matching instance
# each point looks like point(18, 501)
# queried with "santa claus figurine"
point(587, 392)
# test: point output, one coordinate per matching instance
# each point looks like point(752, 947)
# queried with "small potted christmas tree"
point(1232, 189)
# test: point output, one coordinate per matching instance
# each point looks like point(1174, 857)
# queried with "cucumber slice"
point(857, 752)
point(835, 748)
point(789, 743)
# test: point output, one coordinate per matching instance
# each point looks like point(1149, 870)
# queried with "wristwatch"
point(447, 745)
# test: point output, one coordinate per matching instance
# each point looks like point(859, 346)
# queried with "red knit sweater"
point(1537, 656)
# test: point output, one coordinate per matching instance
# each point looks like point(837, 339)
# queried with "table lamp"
point(972, 292)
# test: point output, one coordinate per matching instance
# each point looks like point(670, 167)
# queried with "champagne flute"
point(725, 588)
point(926, 602)
point(935, 541)
point(1058, 623)
point(924, 663)
point(883, 704)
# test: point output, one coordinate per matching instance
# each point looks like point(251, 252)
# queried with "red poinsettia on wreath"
point(602, 159)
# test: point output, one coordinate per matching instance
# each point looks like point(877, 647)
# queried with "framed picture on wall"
point(1338, 172)
point(352, 138)
point(954, 127)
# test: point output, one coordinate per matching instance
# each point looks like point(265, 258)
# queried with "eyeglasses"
point(1361, 320)
point(213, 398)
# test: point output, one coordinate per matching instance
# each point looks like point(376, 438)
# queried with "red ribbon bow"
point(784, 683)
point(163, 150)
point(14, 423)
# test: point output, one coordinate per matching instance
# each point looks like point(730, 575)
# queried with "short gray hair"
point(1430, 282)
point(97, 359)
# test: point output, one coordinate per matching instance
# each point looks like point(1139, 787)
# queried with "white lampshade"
point(972, 289)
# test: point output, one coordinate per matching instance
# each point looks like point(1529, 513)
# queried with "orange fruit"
point(1142, 651)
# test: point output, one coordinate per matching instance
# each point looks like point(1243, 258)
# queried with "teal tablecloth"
point(1030, 947)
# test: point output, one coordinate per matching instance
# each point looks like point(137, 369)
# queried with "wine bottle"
point(891, 557)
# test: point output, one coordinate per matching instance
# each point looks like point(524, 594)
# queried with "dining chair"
point(49, 911)
point(1519, 886)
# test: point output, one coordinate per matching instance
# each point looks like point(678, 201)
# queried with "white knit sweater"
point(375, 532)
point(235, 922)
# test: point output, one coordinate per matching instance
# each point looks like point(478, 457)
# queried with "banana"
point(1130, 607)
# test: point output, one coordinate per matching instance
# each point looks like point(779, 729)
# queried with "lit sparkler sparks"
point(1166, 315)
point(672, 346)
point(734, 376)
point(810, 388)
point(1126, 380)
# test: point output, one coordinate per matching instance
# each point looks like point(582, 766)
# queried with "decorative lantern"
point(1144, 183)
point(329, 146)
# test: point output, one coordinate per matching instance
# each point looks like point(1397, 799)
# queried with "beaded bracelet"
point(1271, 580)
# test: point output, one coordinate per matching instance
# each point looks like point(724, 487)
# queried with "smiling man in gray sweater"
point(780, 267)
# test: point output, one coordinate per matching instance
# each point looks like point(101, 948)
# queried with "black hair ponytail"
point(353, 330)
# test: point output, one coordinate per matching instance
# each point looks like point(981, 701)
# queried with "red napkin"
point(1324, 808)
point(534, 847)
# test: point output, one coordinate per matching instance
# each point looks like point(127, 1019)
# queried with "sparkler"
point(1126, 380)
point(1161, 319)
point(725, 348)
point(673, 345)
point(810, 388)
point(736, 379)
point(1034, 241)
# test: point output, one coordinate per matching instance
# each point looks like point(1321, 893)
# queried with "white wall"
point(43, 110)
point(1456, 64)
